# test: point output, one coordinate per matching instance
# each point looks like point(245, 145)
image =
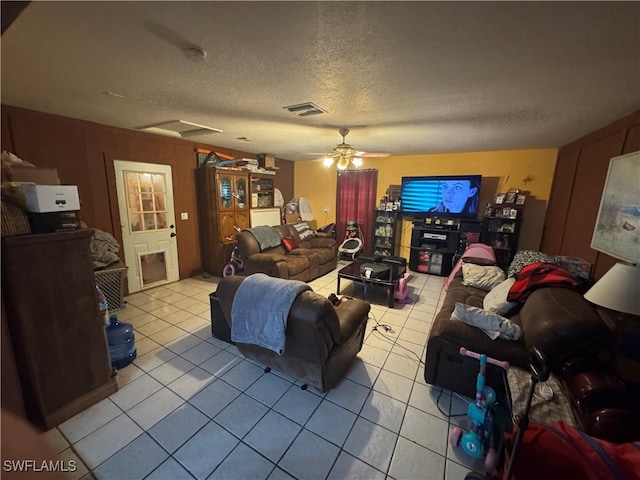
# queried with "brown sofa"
point(314, 257)
point(559, 321)
point(321, 340)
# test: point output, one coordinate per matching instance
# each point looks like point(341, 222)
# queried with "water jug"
point(122, 343)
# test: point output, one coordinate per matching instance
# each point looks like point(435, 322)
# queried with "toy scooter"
point(475, 442)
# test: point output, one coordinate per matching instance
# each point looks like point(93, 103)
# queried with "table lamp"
point(618, 289)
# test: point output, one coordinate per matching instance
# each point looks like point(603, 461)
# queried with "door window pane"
point(159, 202)
point(158, 183)
point(149, 221)
point(161, 220)
point(146, 201)
point(135, 221)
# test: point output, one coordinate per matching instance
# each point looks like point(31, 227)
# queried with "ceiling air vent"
point(179, 128)
point(305, 109)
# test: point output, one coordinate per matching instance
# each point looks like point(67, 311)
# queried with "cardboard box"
point(267, 160)
point(292, 217)
point(51, 198)
point(39, 176)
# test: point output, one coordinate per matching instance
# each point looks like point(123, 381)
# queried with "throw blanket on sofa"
point(490, 323)
point(266, 236)
point(260, 310)
point(538, 275)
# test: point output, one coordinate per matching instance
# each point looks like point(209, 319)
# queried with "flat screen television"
point(445, 196)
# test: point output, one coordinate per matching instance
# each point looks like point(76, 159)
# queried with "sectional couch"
point(559, 321)
point(567, 329)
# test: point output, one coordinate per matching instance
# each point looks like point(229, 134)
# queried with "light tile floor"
point(190, 406)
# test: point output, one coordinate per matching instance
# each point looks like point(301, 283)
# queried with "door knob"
point(172, 226)
point(173, 234)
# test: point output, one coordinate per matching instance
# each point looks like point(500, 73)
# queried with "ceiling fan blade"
point(170, 36)
point(372, 154)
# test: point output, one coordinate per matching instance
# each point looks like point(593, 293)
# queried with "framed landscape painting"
point(617, 229)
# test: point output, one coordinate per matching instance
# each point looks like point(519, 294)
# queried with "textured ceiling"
point(405, 77)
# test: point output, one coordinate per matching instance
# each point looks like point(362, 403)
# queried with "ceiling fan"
point(343, 154)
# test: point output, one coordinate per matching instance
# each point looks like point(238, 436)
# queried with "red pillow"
point(289, 243)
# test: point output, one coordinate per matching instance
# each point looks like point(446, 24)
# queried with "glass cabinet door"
point(225, 192)
point(384, 233)
point(241, 192)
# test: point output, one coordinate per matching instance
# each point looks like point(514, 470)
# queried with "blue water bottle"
point(122, 342)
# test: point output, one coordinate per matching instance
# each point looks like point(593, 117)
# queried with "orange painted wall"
point(528, 170)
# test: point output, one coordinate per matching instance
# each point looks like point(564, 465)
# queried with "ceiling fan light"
point(357, 161)
point(328, 161)
point(343, 163)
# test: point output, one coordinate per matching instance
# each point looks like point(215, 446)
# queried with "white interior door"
point(147, 216)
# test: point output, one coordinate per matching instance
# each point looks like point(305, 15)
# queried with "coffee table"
point(352, 272)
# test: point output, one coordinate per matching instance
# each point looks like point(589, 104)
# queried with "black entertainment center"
point(434, 246)
point(445, 210)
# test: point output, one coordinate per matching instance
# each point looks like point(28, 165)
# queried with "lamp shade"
point(618, 289)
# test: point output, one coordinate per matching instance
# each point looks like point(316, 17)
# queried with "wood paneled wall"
point(581, 171)
point(83, 153)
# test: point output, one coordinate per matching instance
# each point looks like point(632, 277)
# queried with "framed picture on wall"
point(510, 197)
point(617, 229)
point(500, 198)
point(513, 213)
point(520, 199)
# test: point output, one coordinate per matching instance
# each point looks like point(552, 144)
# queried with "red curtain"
point(356, 199)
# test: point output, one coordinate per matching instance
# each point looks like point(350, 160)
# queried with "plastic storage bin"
point(122, 342)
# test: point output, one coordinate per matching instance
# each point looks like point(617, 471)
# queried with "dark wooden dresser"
point(58, 337)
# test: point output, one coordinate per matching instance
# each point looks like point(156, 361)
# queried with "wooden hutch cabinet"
point(223, 204)
point(51, 310)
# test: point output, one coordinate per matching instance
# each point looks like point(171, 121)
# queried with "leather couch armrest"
point(352, 313)
point(615, 425)
point(562, 324)
point(247, 244)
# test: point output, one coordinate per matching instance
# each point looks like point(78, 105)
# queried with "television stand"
point(433, 248)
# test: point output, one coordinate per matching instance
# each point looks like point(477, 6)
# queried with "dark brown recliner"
point(321, 340)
